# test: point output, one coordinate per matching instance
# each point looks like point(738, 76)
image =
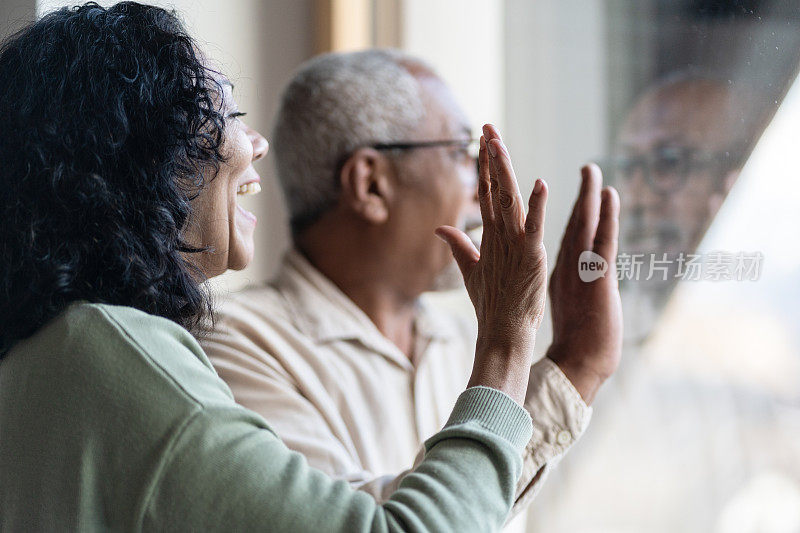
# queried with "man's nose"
point(474, 190)
point(637, 191)
point(469, 179)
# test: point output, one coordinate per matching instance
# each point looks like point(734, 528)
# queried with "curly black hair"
point(110, 118)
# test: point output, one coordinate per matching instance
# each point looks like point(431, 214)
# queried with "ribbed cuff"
point(495, 411)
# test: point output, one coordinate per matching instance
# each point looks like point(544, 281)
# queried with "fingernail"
point(537, 188)
point(492, 149)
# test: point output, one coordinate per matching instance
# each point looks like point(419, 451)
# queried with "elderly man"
point(340, 352)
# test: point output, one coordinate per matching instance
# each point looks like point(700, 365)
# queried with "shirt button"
point(564, 437)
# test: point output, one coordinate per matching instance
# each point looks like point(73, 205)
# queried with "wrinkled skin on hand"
point(507, 279)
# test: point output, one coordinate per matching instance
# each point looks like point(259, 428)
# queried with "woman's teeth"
point(249, 188)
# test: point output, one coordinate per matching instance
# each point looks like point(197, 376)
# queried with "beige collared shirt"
point(299, 352)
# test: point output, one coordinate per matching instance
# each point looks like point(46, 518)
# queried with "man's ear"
point(366, 180)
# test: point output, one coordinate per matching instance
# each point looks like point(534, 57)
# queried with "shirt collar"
point(321, 310)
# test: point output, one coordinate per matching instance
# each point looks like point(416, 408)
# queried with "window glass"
point(692, 109)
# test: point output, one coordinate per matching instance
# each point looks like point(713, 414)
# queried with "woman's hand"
point(507, 279)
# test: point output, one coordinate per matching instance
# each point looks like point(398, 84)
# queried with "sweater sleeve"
point(224, 469)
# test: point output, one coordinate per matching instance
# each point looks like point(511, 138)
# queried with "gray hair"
point(335, 104)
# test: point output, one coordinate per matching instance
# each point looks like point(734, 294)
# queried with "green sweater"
point(111, 418)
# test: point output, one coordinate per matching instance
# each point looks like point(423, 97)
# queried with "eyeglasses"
point(667, 169)
point(467, 148)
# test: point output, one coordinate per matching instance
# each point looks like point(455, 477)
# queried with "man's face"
point(672, 168)
point(438, 186)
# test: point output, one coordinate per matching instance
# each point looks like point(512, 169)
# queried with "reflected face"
point(438, 185)
point(674, 166)
point(220, 223)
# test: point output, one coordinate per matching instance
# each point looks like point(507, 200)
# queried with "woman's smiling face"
point(220, 224)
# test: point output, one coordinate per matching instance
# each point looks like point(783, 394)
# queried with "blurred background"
point(692, 108)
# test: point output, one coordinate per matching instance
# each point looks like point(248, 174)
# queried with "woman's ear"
point(366, 180)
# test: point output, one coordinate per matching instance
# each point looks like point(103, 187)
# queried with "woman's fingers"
point(607, 236)
point(509, 200)
point(484, 186)
point(464, 251)
point(491, 148)
point(534, 222)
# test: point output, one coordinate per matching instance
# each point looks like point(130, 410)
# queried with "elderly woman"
point(121, 159)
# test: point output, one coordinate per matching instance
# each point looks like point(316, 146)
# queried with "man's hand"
point(507, 279)
point(587, 316)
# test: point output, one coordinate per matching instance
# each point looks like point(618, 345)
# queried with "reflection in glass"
point(700, 428)
point(679, 152)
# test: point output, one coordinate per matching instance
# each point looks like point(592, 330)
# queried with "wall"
point(463, 40)
point(14, 14)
